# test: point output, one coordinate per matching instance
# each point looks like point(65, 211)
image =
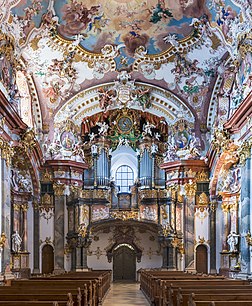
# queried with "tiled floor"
point(125, 294)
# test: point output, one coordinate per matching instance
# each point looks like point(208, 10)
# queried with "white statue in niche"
point(232, 240)
point(16, 242)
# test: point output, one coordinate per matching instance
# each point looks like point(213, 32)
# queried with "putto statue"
point(16, 242)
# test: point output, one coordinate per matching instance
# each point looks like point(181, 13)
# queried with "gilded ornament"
point(46, 176)
point(125, 215)
point(67, 249)
point(24, 207)
point(164, 212)
point(2, 241)
point(59, 189)
point(7, 151)
point(16, 207)
point(149, 194)
point(190, 173)
point(178, 243)
point(87, 194)
point(190, 188)
point(221, 140)
point(100, 194)
point(249, 238)
point(244, 151)
point(28, 140)
point(203, 199)
point(225, 207)
point(201, 240)
point(76, 190)
point(82, 230)
point(46, 202)
point(166, 230)
point(202, 176)
point(213, 205)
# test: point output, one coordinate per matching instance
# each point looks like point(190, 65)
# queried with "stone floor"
point(125, 294)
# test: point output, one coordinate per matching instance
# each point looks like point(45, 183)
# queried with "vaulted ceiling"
point(184, 52)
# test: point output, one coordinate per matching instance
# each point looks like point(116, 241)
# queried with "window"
point(124, 178)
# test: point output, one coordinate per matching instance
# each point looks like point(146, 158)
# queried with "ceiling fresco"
point(190, 49)
point(154, 25)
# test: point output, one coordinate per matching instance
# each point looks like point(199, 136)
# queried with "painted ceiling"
point(183, 51)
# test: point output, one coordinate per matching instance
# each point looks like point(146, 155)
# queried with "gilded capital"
point(25, 207)
point(225, 207)
point(16, 207)
point(59, 189)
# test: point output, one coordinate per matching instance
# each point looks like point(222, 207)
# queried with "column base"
point(59, 271)
point(213, 271)
point(82, 269)
point(36, 271)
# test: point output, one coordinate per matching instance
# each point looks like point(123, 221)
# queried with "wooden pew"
point(92, 287)
point(178, 296)
point(157, 287)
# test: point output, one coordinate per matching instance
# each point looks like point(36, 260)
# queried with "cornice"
point(65, 164)
point(240, 116)
point(188, 163)
point(12, 119)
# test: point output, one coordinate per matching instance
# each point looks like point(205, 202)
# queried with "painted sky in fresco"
point(123, 22)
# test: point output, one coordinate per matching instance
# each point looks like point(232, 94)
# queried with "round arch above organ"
point(126, 93)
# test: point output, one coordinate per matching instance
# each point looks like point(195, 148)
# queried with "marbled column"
point(59, 237)
point(78, 259)
point(6, 214)
point(164, 245)
point(36, 238)
point(25, 237)
point(213, 207)
point(189, 231)
point(84, 258)
point(226, 223)
point(244, 224)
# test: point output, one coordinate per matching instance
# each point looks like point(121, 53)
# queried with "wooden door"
point(201, 259)
point(124, 264)
point(47, 259)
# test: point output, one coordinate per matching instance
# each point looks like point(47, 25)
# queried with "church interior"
point(125, 139)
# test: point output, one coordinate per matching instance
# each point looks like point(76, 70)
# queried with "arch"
point(47, 259)
point(164, 103)
point(201, 259)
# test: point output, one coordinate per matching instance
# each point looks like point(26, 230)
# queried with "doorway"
point(47, 259)
point(201, 259)
point(124, 263)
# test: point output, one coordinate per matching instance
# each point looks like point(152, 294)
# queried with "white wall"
point(147, 242)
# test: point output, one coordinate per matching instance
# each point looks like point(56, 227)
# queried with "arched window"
point(124, 178)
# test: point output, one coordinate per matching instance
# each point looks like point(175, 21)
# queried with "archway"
point(124, 263)
point(201, 259)
point(47, 259)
